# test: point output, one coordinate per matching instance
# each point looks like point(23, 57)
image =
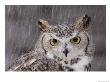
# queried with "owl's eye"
point(54, 42)
point(75, 40)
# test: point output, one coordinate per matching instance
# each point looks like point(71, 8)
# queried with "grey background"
point(21, 29)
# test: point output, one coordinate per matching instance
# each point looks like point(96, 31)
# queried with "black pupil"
point(75, 39)
point(54, 41)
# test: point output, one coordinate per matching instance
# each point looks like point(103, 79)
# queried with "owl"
point(62, 47)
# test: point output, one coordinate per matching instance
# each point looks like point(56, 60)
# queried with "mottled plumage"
point(64, 47)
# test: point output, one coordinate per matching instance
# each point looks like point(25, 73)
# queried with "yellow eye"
point(54, 42)
point(75, 40)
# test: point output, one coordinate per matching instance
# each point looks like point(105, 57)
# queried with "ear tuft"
point(43, 24)
point(39, 22)
point(83, 22)
point(86, 20)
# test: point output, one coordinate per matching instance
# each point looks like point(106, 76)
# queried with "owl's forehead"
point(62, 30)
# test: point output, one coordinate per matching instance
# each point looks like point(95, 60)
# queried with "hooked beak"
point(65, 52)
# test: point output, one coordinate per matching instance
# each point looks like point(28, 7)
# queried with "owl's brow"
point(77, 34)
point(53, 37)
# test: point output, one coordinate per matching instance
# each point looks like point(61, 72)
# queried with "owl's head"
point(64, 42)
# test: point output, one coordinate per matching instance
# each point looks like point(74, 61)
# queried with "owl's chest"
point(77, 64)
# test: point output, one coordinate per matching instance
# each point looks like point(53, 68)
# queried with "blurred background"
point(21, 29)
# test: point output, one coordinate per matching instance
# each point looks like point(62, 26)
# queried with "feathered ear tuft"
point(83, 22)
point(43, 24)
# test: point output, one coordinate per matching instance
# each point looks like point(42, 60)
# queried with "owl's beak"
point(65, 52)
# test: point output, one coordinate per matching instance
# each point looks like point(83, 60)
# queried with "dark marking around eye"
point(75, 39)
point(54, 41)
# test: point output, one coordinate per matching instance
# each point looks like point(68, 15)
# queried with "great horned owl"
point(64, 47)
